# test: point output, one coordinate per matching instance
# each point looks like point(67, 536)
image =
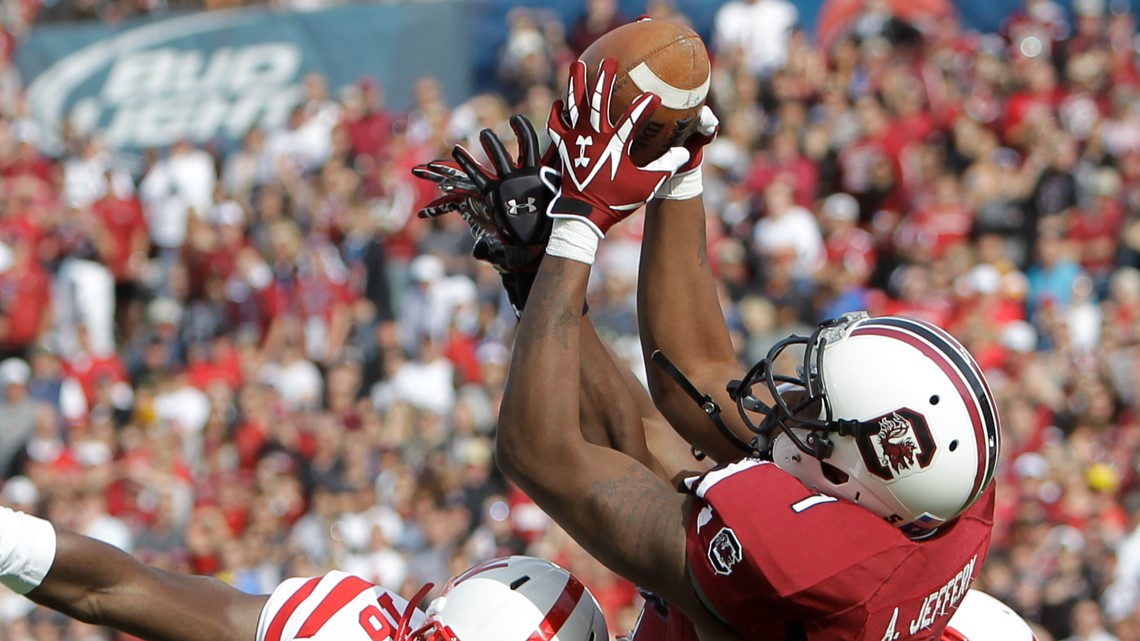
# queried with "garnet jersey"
point(778, 561)
point(336, 607)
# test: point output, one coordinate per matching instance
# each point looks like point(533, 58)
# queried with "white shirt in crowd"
point(84, 293)
point(174, 186)
point(299, 383)
point(760, 28)
point(795, 229)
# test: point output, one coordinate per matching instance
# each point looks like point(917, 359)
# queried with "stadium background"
point(237, 352)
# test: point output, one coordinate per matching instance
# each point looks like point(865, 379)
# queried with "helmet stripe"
point(988, 395)
point(968, 368)
point(560, 611)
point(964, 379)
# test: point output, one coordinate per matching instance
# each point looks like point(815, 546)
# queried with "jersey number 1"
point(811, 501)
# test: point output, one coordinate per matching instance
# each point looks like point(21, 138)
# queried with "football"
point(662, 57)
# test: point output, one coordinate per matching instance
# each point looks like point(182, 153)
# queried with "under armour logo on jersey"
point(582, 143)
point(528, 207)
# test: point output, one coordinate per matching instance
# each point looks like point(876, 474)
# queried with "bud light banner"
point(212, 76)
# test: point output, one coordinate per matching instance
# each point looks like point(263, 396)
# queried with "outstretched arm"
point(615, 507)
point(679, 313)
point(102, 585)
point(616, 411)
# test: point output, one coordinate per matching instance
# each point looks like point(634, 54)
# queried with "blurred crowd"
point(259, 363)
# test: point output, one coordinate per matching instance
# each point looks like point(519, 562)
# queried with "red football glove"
point(601, 185)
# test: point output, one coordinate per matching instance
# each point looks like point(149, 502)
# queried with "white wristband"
point(682, 186)
point(573, 239)
point(27, 550)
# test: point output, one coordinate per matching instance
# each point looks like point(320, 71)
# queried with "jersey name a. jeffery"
point(336, 606)
point(778, 561)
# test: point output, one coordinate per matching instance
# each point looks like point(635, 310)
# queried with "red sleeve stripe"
point(277, 625)
point(348, 589)
point(563, 608)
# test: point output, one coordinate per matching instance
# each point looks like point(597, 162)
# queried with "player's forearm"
point(606, 410)
point(637, 428)
point(679, 313)
point(539, 411)
point(99, 584)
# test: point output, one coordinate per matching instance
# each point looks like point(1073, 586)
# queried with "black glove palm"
point(505, 209)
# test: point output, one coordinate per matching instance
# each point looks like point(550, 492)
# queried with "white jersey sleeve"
point(334, 607)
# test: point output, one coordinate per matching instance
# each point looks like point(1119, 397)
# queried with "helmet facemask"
point(796, 417)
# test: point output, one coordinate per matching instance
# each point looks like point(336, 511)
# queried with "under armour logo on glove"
point(505, 206)
point(601, 185)
point(583, 142)
point(528, 207)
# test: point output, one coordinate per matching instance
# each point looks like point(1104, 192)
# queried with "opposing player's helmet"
point(514, 598)
point(906, 425)
point(980, 617)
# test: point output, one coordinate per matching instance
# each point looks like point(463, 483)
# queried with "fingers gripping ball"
point(660, 57)
point(601, 184)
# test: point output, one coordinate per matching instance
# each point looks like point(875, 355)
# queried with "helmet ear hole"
point(833, 474)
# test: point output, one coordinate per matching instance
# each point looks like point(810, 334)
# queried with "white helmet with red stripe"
point(897, 417)
point(980, 617)
point(516, 598)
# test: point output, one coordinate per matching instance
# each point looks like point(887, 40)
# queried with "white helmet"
point(980, 617)
point(906, 425)
point(514, 598)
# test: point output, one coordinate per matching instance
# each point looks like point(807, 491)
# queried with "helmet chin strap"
point(706, 401)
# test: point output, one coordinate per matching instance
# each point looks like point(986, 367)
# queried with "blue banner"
point(211, 76)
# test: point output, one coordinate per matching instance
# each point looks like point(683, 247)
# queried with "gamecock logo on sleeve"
point(725, 551)
point(902, 446)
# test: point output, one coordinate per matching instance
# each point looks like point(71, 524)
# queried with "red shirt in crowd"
point(852, 248)
point(89, 370)
point(27, 161)
point(307, 296)
point(25, 296)
point(123, 221)
point(369, 133)
point(937, 228)
point(803, 173)
point(1098, 233)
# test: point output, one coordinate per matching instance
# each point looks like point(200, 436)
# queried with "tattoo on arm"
point(645, 526)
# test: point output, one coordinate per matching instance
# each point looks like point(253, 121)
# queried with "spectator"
point(785, 226)
point(278, 367)
point(756, 32)
point(18, 412)
point(601, 17)
point(173, 189)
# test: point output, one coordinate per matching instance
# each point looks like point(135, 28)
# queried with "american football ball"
point(662, 57)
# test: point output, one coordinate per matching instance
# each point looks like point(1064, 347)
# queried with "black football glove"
point(505, 209)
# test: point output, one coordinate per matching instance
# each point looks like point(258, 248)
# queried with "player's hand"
point(689, 182)
point(457, 190)
point(708, 126)
point(517, 192)
point(505, 208)
point(601, 185)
